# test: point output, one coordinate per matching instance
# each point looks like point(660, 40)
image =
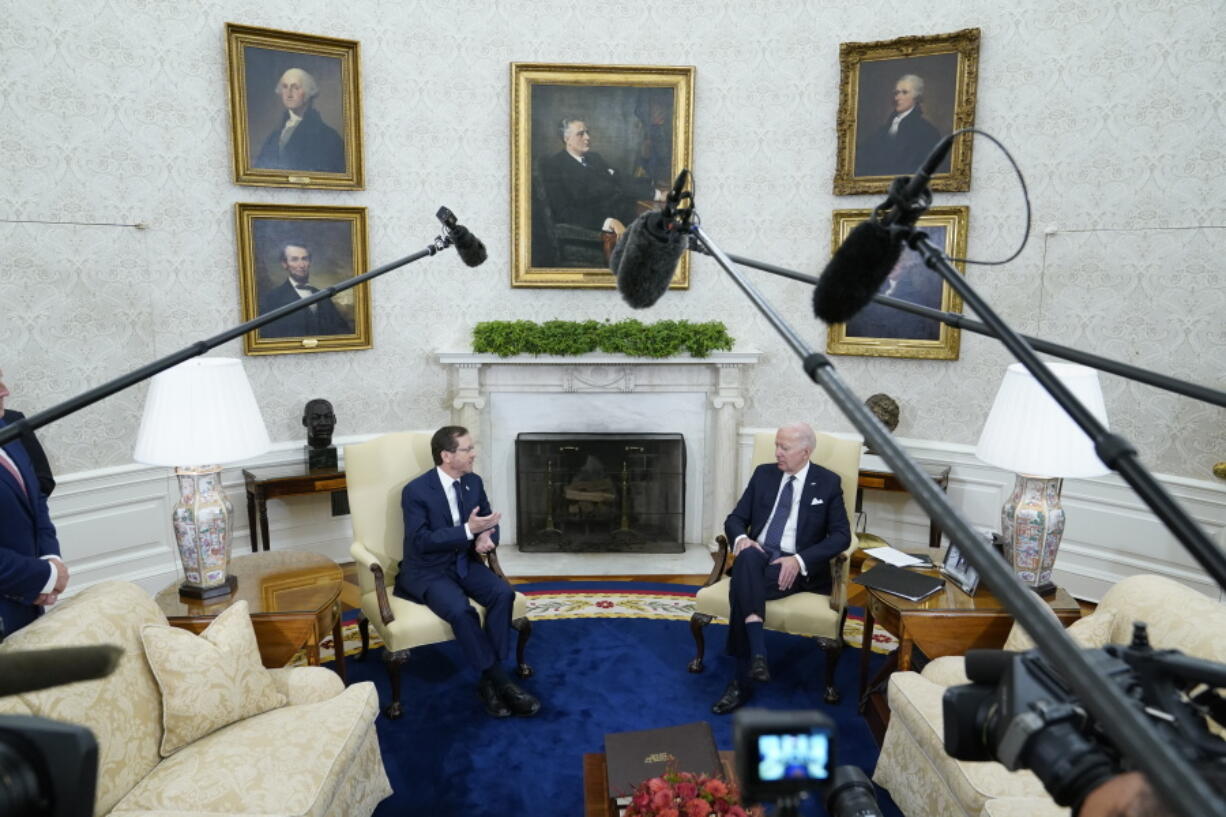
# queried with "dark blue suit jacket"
point(431, 540)
point(26, 535)
point(822, 531)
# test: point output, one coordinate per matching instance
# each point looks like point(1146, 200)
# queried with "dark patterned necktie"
point(461, 559)
point(783, 509)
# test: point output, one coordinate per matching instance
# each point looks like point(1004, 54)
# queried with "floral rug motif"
point(622, 602)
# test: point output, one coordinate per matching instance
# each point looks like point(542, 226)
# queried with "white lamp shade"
point(1028, 433)
point(200, 412)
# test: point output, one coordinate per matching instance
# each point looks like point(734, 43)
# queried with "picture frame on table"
point(295, 109)
point(285, 253)
point(883, 331)
point(957, 569)
point(592, 147)
point(897, 99)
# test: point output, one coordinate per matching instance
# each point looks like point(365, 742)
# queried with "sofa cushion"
point(123, 710)
point(289, 762)
point(209, 680)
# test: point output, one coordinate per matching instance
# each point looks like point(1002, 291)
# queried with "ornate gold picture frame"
point(295, 109)
point(591, 147)
point(897, 99)
point(288, 251)
point(882, 331)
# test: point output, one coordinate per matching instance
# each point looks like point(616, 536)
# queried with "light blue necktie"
point(783, 509)
point(461, 559)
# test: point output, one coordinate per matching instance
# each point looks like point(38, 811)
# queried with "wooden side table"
point(947, 623)
point(274, 481)
point(889, 481)
point(293, 597)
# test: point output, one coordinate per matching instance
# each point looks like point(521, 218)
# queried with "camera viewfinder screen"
point(800, 756)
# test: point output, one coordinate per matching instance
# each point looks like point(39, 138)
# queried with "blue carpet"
point(445, 756)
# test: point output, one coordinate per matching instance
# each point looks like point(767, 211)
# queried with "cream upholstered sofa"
point(317, 755)
point(925, 782)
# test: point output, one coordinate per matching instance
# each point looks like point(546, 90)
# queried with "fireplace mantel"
point(700, 397)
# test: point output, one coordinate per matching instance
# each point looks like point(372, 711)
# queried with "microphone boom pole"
point(1105, 364)
point(1167, 771)
point(122, 382)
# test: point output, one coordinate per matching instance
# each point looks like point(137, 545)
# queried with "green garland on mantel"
point(629, 337)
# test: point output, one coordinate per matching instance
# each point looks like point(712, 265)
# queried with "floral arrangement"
point(682, 794)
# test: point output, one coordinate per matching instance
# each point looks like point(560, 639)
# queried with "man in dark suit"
point(583, 189)
point(322, 318)
point(32, 575)
point(788, 525)
point(302, 141)
point(901, 144)
point(447, 524)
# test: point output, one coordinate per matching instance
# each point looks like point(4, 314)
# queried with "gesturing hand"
point(478, 524)
point(485, 542)
point(61, 577)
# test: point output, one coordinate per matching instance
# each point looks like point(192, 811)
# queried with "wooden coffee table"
point(597, 800)
point(947, 623)
point(293, 597)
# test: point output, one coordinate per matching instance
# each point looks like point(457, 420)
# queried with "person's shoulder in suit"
point(418, 485)
point(823, 476)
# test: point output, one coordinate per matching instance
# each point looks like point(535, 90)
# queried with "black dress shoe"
point(518, 701)
point(758, 670)
point(491, 699)
point(734, 695)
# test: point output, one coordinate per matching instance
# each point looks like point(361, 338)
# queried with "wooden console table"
point(889, 481)
point(273, 481)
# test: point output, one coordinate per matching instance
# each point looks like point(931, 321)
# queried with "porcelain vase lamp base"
point(202, 523)
point(1032, 523)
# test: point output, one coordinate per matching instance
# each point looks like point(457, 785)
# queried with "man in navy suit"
point(32, 575)
point(788, 525)
point(447, 524)
point(322, 318)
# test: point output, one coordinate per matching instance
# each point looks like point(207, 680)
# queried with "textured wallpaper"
point(116, 114)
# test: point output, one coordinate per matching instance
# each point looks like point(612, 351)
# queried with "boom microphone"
point(467, 246)
point(860, 265)
point(646, 257)
point(32, 670)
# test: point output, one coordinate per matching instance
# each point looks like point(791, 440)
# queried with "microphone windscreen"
point(32, 670)
point(468, 246)
point(856, 271)
point(987, 666)
point(645, 259)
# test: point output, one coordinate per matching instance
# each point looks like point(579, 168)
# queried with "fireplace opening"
point(585, 493)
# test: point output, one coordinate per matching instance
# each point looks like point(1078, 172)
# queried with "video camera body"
point(781, 756)
point(1020, 712)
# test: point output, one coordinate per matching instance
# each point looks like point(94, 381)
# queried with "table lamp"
point(198, 415)
point(1028, 433)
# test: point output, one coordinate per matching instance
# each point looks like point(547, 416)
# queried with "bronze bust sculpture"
point(885, 409)
point(319, 420)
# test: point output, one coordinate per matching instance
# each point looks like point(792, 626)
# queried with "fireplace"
point(585, 492)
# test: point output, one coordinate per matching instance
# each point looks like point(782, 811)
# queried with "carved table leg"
point(364, 631)
point(392, 661)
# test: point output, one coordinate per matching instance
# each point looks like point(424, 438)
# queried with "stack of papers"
point(893, 556)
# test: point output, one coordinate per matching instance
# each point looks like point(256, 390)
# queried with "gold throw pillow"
point(209, 680)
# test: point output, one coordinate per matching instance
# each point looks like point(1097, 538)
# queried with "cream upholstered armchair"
point(807, 614)
point(925, 782)
point(377, 471)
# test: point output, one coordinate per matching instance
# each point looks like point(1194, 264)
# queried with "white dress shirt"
point(788, 543)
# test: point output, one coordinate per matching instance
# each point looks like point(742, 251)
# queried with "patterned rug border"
point(606, 600)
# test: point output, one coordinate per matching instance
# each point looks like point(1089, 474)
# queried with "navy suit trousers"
point(755, 581)
point(447, 596)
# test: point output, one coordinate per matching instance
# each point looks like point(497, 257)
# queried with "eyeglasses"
point(467, 450)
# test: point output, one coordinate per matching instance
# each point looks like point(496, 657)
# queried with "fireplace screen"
point(600, 492)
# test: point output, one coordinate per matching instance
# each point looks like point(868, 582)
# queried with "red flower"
point(697, 807)
point(668, 812)
point(662, 799)
point(687, 790)
point(655, 784)
point(737, 811)
point(604, 604)
point(715, 787)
